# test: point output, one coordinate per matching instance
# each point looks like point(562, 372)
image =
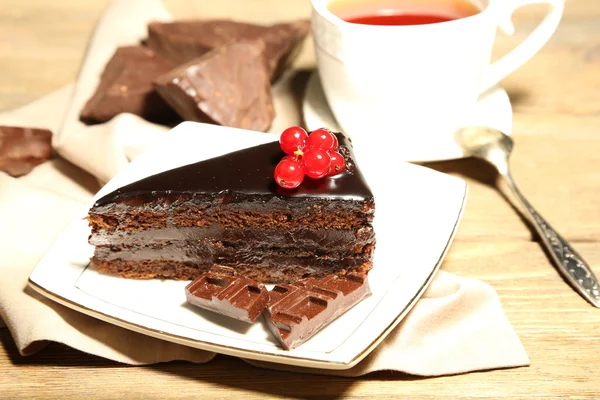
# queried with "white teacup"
point(389, 84)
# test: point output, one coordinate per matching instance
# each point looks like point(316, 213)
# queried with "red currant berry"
point(321, 139)
point(289, 173)
point(316, 163)
point(336, 144)
point(292, 138)
point(337, 163)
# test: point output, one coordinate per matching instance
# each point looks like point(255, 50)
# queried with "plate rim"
point(256, 354)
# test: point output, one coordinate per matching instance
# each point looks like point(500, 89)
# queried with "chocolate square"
point(296, 312)
point(220, 290)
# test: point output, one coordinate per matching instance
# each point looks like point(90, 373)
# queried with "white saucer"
point(493, 109)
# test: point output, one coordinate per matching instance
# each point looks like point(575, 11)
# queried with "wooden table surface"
point(556, 102)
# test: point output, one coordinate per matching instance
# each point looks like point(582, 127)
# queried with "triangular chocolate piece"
point(183, 41)
point(126, 86)
point(229, 85)
point(229, 210)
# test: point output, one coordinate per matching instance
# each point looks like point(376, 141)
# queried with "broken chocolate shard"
point(21, 149)
point(297, 312)
point(126, 86)
point(220, 290)
point(283, 43)
point(182, 41)
point(229, 85)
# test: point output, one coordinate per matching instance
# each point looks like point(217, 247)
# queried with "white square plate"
point(417, 214)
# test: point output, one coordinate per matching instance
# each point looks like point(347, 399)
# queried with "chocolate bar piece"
point(126, 86)
point(283, 43)
point(21, 149)
point(297, 312)
point(229, 86)
point(183, 41)
point(222, 291)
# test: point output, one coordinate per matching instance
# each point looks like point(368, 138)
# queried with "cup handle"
point(530, 46)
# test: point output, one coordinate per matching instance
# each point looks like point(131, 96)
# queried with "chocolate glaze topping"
point(243, 174)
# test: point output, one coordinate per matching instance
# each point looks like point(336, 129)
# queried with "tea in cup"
point(398, 70)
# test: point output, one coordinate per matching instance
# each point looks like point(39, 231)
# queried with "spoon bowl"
point(482, 140)
point(487, 144)
point(495, 147)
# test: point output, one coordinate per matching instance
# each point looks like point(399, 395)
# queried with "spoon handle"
point(570, 264)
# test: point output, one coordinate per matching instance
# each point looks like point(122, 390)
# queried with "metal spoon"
point(495, 147)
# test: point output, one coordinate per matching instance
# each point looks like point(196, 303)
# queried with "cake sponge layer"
point(180, 270)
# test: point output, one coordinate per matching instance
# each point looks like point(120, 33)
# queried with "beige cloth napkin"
point(458, 325)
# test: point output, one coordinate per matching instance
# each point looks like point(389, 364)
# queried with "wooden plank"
point(557, 120)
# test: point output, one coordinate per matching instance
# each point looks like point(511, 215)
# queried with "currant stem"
point(298, 154)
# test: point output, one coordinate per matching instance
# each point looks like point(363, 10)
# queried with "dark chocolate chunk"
point(126, 86)
point(222, 291)
point(21, 149)
point(229, 85)
point(283, 43)
point(297, 312)
point(183, 41)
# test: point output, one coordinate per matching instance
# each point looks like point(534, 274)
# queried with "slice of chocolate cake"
point(228, 210)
